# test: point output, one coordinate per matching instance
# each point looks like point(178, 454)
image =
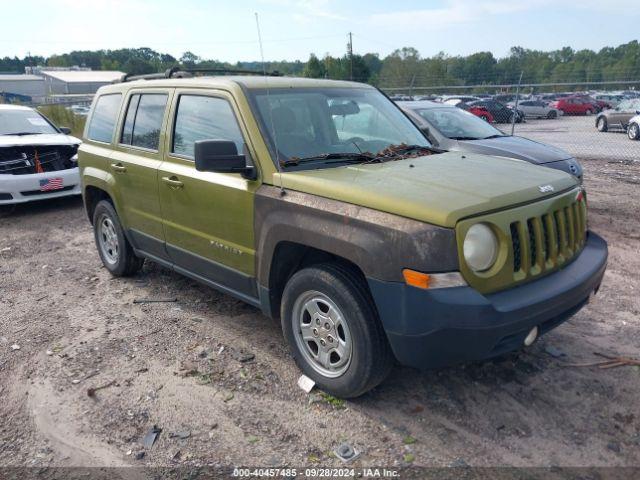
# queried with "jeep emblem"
point(545, 188)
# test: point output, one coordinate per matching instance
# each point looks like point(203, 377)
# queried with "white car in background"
point(633, 130)
point(537, 109)
point(37, 159)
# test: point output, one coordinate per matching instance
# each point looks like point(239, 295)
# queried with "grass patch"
point(409, 440)
point(62, 117)
point(333, 401)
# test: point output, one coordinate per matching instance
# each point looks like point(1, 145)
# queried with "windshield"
point(315, 122)
point(458, 124)
point(23, 122)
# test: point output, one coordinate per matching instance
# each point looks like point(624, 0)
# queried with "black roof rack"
point(177, 72)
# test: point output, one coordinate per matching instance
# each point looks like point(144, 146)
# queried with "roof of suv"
point(247, 81)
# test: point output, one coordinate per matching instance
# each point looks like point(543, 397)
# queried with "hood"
point(515, 147)
point(439, 189)
point(38, 139)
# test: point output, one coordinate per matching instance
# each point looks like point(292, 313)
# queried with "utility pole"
point(350, 51)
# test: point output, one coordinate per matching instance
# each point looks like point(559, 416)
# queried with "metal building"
point(77, 82)
point(22, 85)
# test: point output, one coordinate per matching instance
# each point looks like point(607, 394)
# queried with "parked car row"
point(541, 105)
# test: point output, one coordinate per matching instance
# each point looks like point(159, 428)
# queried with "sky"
point(293, 29)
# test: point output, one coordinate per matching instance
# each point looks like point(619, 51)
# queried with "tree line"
point(403, 68)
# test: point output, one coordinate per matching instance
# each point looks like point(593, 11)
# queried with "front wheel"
point(601, 124)
point(333, 330)
point(115, 250)
point(633, 132)
point(552, 114)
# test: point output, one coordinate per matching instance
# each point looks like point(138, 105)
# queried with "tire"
point(552, 114)
point(601, 124)
point(344, 314)
point(633, 132)
point(114, 249)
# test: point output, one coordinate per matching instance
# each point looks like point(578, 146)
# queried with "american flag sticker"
point(49, 184)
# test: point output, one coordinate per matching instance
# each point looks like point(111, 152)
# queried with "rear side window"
point(103, 120)
point(144, 120)
point(204, 118)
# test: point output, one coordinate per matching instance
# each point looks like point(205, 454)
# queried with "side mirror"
point(65, 130)
point(221, 156)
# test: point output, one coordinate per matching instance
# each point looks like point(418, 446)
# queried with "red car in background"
point(481, 112)
point(478, 111)
point(575, 106)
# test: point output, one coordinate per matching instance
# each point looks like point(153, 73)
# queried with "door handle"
point(118, 167)
point(173, 182)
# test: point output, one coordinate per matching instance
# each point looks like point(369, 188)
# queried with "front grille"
point(30, 193)
point(545, 242)
point(26, 160)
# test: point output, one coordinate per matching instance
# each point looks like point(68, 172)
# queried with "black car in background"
point(500, 112)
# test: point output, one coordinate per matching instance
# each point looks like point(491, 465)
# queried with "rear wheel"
point(633, 132)
point(333, 330)
point(601, 124)
point(115, 250)
point(552, 114)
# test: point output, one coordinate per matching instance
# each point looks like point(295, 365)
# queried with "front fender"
point(380, 244)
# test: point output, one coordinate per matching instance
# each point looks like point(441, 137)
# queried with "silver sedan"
point(537, 108)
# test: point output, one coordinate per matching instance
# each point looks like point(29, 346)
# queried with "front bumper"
point(441, 327)
point(26, 188)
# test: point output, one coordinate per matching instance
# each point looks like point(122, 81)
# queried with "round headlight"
point(480, 247)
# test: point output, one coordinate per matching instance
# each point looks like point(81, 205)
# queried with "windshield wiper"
point(465, 138)
point(19, 134)
point(497, 135)
point(350, 157)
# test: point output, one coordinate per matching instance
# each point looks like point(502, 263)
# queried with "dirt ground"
point(215, 375)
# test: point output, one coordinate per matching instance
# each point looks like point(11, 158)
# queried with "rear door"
point(135, 162)
point(208, 217)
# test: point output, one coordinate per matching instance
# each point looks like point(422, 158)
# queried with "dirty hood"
point(515, 147)
point(439, 189)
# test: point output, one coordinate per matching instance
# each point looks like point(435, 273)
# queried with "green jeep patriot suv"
point(320, 203)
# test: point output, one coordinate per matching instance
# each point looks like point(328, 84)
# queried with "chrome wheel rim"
point(108, 240)
point(322, 334)
point(633, 132)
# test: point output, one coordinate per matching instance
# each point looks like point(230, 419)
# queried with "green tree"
point(313, 68)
